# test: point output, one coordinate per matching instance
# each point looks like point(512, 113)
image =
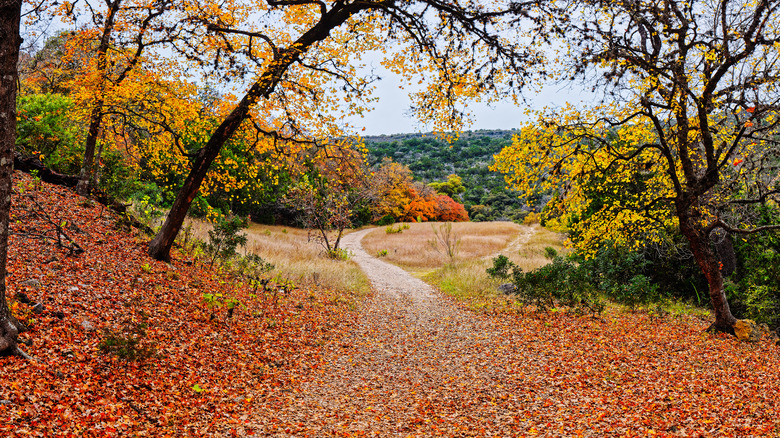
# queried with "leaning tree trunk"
point(160, 246)
point(708, 261)
point(10, 13)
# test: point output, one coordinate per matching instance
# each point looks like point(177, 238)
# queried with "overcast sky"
point(391, 113)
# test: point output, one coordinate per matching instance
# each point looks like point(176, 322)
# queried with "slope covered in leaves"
point(207, 373)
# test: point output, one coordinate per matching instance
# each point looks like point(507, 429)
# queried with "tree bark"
point(709, 263)
point(10, 40)
point(160, 246)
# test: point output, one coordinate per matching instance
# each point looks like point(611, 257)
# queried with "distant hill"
point(432, 159)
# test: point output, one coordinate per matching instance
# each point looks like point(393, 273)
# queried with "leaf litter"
point(408, 362)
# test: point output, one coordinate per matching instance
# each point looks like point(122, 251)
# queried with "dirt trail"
point(414, 365)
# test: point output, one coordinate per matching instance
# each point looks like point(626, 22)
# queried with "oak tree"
point(685, 138)
point(10, 40)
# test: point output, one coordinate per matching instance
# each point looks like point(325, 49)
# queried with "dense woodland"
point(433, 159)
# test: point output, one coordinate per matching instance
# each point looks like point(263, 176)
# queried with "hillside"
point(126, 345)
point(432, 159)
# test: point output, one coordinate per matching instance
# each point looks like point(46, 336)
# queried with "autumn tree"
point(329, 195)
point(115, 35)
point(10, 40)
point(453, 187)
point(686, 138)
point(297, 59)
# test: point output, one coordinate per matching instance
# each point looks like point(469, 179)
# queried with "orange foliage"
point(447, 210)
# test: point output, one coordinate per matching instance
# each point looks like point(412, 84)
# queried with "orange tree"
point(686, 138)
point(296, 61)
point(109, 46)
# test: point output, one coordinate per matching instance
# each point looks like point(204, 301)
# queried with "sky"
point(391, 112)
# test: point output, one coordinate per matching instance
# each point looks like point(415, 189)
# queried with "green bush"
point(225, 238)
point(754, 290)
point(390, 229)
point(45, 131)
point(501, 268)
point(561, 282)
point(387, 219)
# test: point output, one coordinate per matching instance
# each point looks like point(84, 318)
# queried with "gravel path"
point(415, 365)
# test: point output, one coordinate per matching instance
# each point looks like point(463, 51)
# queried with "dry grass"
point(294, 257)
point(412, 249)
point(467, 281)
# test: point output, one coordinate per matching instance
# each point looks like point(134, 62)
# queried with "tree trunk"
point(87, 164)
point(160, 246)
point(10, 14)
point(708, 261)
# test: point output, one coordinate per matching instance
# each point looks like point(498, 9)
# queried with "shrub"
point(387, 219)
point(561, 282)
point(339, 254)
point(754, 291)
point(501, 267)
point(225, 238)
point(445, 240)
point(128, 343)
point(45, 130)
point(531, 218)
point(393, 230)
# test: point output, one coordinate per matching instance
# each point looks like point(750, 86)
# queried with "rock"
point(23, 298)
point(73, 289)
point(31, 283)
point(507, 288)
point(747, 330)
point(87, 326)
point(38, 308)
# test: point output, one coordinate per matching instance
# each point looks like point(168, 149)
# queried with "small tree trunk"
point(10, 14)
point(87, 164)
point(709, 263)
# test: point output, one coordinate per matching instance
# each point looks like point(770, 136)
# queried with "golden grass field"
point(462, 277)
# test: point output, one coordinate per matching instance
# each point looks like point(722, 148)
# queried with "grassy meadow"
point(295, 257)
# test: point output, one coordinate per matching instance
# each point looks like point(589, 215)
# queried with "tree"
point(10, 40)
point(453, 187)
point(327, 198)
point(687, 139)
point(124, 31)
point(447, 210)
point(299, 49)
